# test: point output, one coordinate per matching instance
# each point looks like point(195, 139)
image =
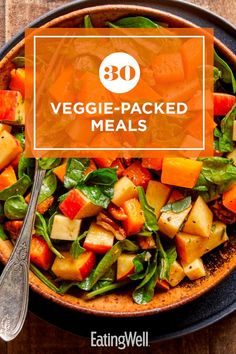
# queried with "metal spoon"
point(14, 281)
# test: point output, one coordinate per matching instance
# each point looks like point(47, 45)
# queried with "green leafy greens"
point(217, 176)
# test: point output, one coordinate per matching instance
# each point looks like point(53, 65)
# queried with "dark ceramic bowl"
point(218, 264)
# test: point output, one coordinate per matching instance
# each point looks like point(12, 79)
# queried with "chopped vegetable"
point(40, 253)
point(180, 172)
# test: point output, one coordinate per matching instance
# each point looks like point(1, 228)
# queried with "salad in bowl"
point(143, 226)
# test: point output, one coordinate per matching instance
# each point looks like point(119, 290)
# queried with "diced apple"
point(64, 228)
point(135, 218)
point(124, 189)
point(176, 274)
point(217, 236)
point(40, 253)
point(11, 106)
point(194, 270)
point(9, 148)
point(200, 219)
point(98, 239)
point(170, 222)
point(162, 284)
point(68, 268)
point(125, 265)
point(157, 195)
point(7, 178)
point(77, 206)
point(190, 247)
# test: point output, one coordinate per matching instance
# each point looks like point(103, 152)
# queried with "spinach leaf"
point(44, 279)
point(129, 246)
point(217, 176)
point(149, 214)
point(225, 134)
point(49, 163)
point(141, 265)
point(48, 187)
point(1, 211)
point(98, 195)
point(98, 186)
point(133, 22)
point(166, 258)
point(104, 289)
point(42, 229)
point(216, 74)
point(178, 206)
point(144, 292)
point(50, 221)
point(102, 177)
point(20, 187)
point(75, 172)
point(3, 236)
point(19, 61)
point(103, 266)
point(26, 166)
point(87, 22)
point(15, 207)
point(227, 75)
point(76, 249)
point(21, 138)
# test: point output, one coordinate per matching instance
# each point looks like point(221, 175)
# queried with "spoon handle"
point(14, 281)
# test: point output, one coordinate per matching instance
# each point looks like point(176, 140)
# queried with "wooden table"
point(39, 337)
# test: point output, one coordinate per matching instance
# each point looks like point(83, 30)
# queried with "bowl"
point(219, 263)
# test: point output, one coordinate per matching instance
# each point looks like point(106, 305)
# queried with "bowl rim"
point(13, 46)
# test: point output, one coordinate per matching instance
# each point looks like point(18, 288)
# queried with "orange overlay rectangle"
point(119, 92)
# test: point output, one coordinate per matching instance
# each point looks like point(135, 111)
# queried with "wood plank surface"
point(40, 337)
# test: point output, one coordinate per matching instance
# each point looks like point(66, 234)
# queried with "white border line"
point(119, 149)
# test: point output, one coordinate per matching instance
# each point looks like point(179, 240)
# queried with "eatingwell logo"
point(122, 341)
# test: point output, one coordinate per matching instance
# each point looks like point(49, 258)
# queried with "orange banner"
point(120, 92)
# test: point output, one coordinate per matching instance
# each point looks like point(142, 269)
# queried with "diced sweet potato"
point(138, 174)
point(40, 253)
point(135, 218)
point(13, 227)
point(181, 172)
point(7, 178)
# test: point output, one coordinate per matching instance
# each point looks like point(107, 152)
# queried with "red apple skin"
point(223, 103)
point(40, 253)
point(8, 104)
point(100, 249)
point(87, 264)
point(131, 271)
point(125, 261)
point(72, 204)
point(162, 284)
